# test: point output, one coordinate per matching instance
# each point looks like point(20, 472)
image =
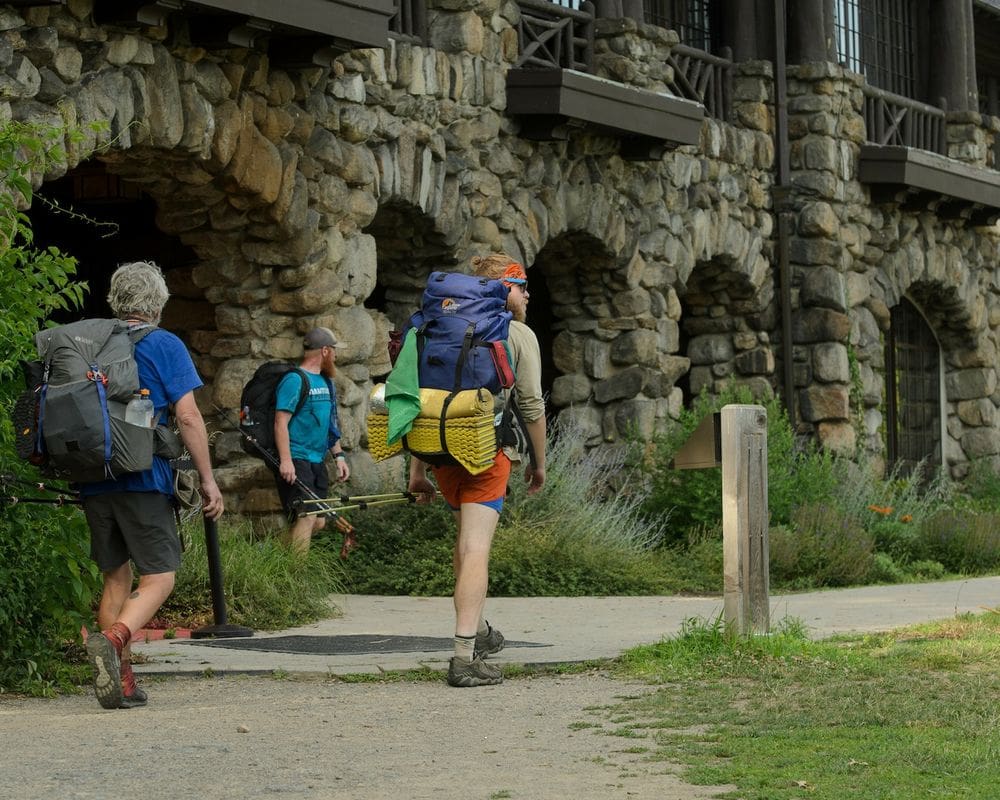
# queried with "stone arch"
point(726, 295)
point(409, 247)
point(604, 336)
point(932, 268)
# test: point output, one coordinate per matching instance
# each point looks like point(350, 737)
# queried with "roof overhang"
point(942, 182)
point(550, 99)
point(299, 29)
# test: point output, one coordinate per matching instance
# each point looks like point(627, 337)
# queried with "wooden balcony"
point(921, 180)
point(552, 89)
point(293, 32)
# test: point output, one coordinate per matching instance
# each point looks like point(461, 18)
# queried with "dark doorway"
point(913, 391)
point(542, 321)
point(102, 221)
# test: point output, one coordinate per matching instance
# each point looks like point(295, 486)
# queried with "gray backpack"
point(88, 375)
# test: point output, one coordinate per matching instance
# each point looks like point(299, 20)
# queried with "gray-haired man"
point(131, 518)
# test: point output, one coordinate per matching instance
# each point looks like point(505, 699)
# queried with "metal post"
point(221, 628)
point(745, 519)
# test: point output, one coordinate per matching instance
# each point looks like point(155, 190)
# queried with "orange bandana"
point(514, 274)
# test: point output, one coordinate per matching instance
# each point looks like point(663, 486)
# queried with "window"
point(692, 19)
point(878, 39)
point(913, 390)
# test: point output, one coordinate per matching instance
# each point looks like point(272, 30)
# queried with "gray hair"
point(138, 290)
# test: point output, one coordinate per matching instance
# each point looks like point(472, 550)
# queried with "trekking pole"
point(40, 486)
point(13, 500)
point(343, 525)
point(366, 499)
point(358, 506)
point(221, 628)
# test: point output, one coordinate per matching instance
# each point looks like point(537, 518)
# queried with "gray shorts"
point(133, 525)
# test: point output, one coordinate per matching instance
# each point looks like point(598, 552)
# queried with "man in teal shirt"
point(303, 438)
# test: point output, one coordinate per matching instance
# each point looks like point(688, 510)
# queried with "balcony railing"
point(553, 36)
point(895, 120)
point(705, 78)
point(409, 22)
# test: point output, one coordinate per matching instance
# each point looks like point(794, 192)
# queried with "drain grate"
point(346, 645)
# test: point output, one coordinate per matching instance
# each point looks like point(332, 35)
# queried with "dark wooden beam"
point(950, 42)
point(603, 104)
point(920, 170)
point(251, 23)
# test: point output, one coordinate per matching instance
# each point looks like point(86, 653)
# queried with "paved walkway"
point(376, 634)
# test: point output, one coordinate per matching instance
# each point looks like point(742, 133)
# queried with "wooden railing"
point(896, 120)
point(410, 20)
point(554, 36)
point(705, 78)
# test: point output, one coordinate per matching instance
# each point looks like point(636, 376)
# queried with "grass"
point(907, 714)
point(267, 586)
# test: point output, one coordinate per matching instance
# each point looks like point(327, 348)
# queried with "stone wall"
point(325, 197)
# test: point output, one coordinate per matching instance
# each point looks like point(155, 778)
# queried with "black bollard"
point(220, 629)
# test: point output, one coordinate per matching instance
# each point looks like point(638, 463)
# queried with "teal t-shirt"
point(314, 430)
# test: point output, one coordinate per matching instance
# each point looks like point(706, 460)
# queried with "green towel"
point(402, 390)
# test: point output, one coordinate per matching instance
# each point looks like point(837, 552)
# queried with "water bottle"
point(139, 410)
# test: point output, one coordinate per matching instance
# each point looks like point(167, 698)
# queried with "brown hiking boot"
point(473, 673)
point(106, 660)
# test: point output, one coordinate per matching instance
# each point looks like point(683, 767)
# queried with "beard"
point(328, 368)
point(520, 313)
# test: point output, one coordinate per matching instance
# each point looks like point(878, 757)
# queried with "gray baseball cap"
point(318, 338)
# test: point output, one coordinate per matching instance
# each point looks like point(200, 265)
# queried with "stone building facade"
point(324, 195)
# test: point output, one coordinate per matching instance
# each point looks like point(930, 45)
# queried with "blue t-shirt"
point(314, 430)
point(166, 369)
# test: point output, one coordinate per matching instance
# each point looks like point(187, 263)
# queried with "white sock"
point(484, 627)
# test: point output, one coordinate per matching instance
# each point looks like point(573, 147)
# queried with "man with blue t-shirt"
point(131, 518)
point(303, 438)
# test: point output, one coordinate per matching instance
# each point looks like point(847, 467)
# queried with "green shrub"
point(982, 486)
point(797, 471)
point(822, 547)
point(267, 586)
point(47, 581)
point(698, 561)
point(965, 542)
point(582, 534)
point(47, 587)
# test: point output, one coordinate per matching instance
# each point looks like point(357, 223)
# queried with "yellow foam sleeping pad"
point(469, 428)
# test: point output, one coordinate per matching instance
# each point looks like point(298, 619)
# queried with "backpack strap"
point(467, 341)
point(303, 389)
point(136, 333)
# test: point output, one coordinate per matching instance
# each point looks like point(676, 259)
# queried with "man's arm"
point(192, 430)
point(420, 484)
point(283, 445)
point(534, 473)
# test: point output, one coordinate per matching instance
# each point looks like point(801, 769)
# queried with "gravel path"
point(243, 737)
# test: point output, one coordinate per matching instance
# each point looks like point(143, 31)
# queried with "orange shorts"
point(487, 488)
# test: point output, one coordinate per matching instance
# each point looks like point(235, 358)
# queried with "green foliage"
point(582, 534)
point(693, 498)
point(963, 541)
point(822, 547)
point(33, 282)
point(267, 586)
point(47, 580)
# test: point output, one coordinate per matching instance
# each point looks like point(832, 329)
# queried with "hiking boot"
point(106, 661)
point(136, 699)
point(473, 673)
point(489, 643)
point(132, 695)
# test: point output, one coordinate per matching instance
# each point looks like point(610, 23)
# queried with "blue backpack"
point(462, 329)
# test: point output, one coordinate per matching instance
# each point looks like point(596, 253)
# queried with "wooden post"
point(745, 519)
